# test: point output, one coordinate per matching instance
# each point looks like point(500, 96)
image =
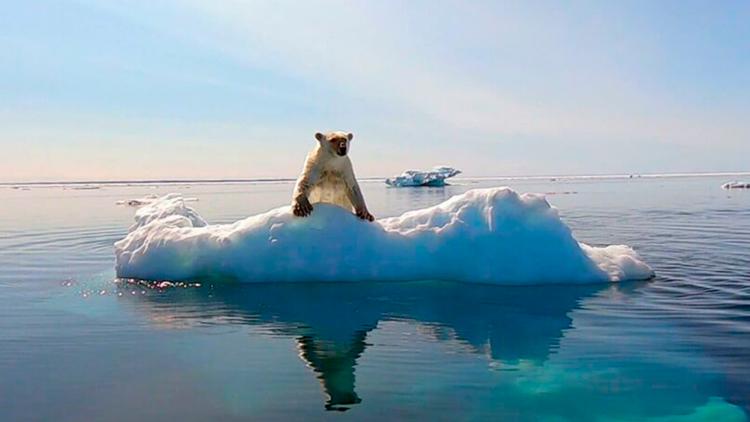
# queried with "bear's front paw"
point(302, 208)
point(365, 215)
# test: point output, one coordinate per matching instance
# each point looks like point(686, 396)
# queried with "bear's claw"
point(365, 215)
point(301, 209)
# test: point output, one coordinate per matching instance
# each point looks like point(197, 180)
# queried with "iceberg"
point(434, 177)
point(736, 185)
point(490, 235)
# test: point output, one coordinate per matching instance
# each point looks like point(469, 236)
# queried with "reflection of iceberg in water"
point(330, 322)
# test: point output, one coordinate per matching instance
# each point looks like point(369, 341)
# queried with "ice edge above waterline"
point(490, 235)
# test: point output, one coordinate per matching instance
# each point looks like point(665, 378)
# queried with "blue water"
point(77, 345)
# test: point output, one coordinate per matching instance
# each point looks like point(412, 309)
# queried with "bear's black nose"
point(341, 151)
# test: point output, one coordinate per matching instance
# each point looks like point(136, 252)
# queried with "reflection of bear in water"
point(334, 363)
point(328, 177)
point(330, 322)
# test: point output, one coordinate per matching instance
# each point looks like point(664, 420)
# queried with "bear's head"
point(335, 142)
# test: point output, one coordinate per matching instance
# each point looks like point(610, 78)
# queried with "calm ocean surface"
point(77, 346)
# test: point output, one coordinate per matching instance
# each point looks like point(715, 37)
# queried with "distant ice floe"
point(82, 187)
point(434, 177)
point(484, 235)
point(139, 202)
point(736, 185)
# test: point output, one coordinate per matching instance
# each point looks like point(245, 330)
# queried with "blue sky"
point(232, 89)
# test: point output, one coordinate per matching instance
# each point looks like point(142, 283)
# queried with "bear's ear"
point(350, 136)
point(320, 137)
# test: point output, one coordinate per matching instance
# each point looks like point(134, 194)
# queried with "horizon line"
point(372, 178)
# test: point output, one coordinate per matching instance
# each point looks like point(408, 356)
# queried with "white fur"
point(329, 178)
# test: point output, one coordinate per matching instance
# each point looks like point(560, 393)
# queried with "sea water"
point(75, 344)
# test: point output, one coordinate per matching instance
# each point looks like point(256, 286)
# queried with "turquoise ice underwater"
point(674, 348)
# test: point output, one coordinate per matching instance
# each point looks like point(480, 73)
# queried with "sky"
point(193, 89)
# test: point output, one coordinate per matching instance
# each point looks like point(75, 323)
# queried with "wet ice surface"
point(77, 346)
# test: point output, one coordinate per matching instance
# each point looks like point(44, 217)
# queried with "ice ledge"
point(484, 235)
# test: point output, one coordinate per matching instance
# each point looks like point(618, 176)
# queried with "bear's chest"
point(330, 188)
point(330, 175)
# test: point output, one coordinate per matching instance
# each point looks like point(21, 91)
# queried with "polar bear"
point(328, 177)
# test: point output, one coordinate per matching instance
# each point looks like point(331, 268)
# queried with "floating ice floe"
point(81, 187)
point(736, 185)
point(484, 235)
point(434, 177)
point(139, 202)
